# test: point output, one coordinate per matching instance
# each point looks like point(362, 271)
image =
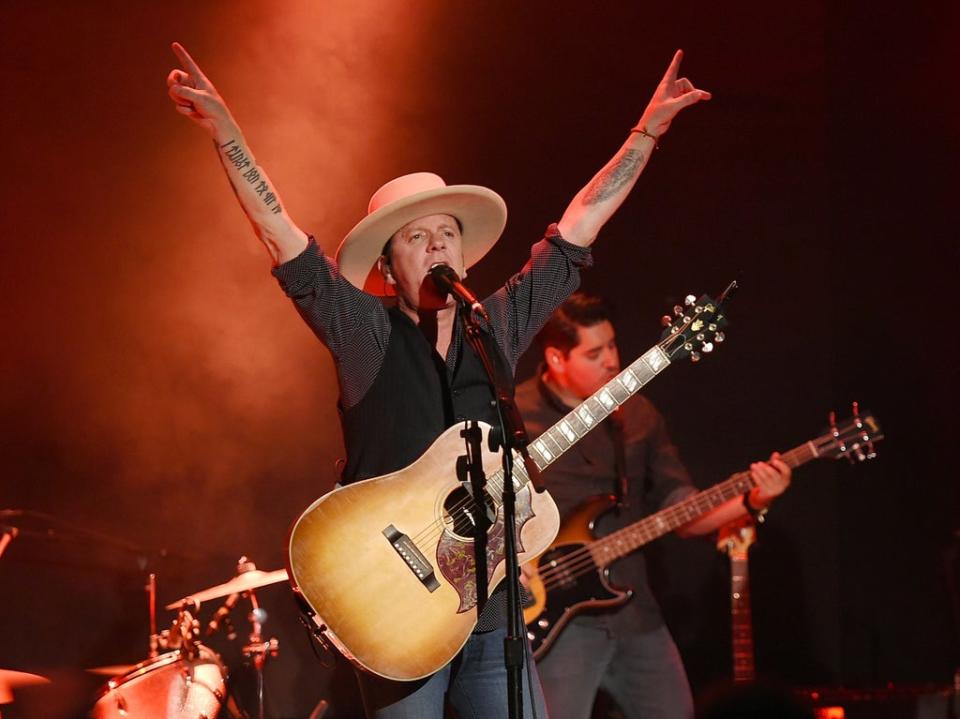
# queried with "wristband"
point(758, 515)
point(640, 131)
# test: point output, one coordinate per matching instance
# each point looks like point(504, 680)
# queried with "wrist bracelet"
point(758, 515)
point(639, 130)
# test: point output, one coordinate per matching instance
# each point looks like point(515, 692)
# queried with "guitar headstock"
point(853, 439)
point(695, 328)
point(736, 538)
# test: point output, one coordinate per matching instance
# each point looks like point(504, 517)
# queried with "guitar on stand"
point(735, 540)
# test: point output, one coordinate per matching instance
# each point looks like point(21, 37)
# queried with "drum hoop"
point(157, 662)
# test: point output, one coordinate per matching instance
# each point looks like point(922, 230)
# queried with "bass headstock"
point(854, 438)
point(736, 538)
point(696, 326)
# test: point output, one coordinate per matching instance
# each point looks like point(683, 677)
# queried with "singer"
point(405, 372)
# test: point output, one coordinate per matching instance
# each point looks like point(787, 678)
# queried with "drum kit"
point(182, 678)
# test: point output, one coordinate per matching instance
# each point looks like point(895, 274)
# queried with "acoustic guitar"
point(384, 569)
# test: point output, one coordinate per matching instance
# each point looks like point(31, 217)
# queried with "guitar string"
point(584, 558)
point(429, 533)
point(435, 529)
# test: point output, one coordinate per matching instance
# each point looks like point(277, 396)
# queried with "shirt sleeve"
point(520, 308)
point(351, 323)
point(668, 480)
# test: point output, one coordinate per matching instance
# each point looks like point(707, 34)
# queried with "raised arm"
point(196, 97)
point(604, 194)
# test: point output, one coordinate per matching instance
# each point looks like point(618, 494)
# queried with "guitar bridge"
point(412, 556)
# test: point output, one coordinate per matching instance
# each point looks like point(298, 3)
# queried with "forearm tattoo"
point(233, 154)
point(612, 179)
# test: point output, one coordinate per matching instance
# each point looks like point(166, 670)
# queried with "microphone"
point(221, 614)
point(447, 280)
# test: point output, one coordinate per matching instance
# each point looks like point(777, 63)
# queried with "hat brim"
point(482, 214)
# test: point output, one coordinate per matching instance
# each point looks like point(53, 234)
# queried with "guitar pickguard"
point(456, 556)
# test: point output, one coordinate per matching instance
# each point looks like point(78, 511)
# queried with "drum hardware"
point(154, 646)
point(183, 678)
point(243, 585)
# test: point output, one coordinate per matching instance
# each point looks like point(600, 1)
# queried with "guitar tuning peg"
point(719, 337)
point(677, 310)
point(694, 356)
point(666, 320)
point(708, 347)
point(689, 300)
point(856, 409)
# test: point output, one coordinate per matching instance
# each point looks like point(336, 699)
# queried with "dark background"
point(157, 386)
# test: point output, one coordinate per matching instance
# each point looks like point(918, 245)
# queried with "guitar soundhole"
point(461, 512)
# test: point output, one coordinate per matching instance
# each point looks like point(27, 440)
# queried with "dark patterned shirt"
point(656, 478)
point(356, 329)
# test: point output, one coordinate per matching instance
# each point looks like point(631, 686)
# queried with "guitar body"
point(579, 586)
point(385, 567)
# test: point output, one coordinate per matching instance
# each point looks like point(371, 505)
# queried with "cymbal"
point(10, 680)
point(243, 582)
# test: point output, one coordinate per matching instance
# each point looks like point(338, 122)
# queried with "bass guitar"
point(572, 575)
point(384, 568)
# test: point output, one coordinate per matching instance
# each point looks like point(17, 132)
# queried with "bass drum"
point(170, 686)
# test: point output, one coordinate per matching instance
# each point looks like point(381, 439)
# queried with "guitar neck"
point(741, 620)
point(630, 538)
point(593, 410)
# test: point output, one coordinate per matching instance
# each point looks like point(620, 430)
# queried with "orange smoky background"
point(158, 387)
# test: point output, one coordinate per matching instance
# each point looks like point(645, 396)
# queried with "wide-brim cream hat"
point(482, 214)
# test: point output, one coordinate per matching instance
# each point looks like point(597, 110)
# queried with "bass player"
point(627, 651)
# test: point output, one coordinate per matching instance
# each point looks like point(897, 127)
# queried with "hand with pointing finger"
point(671, 96)
point(195, 96)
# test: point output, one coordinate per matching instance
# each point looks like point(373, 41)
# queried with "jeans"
point(641, 671)
point(475, 684)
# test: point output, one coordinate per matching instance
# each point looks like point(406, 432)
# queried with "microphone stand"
point(509, 436)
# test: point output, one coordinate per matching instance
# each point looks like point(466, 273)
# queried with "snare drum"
point(169, 686)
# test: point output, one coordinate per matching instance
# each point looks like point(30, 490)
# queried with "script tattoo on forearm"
point(612, 179)
point(234, 155)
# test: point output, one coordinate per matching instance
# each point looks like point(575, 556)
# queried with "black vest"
point(414, 399)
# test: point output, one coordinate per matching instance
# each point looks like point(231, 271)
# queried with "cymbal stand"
point(151, 590)
point(257, 650)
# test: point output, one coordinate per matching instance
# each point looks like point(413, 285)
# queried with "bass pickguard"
point(570, 593)
point(456, 556)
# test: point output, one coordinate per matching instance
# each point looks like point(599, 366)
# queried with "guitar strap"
point(616, 431)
